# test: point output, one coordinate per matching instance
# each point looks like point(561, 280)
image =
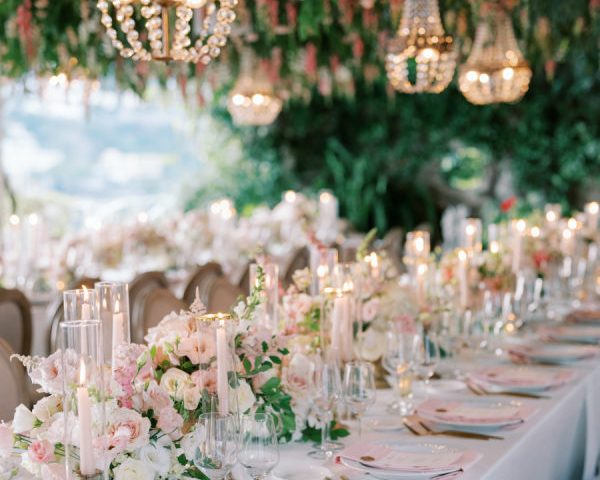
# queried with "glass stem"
point(359, 427)
point(325, 434)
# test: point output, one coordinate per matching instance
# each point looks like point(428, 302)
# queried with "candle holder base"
point(98, 475)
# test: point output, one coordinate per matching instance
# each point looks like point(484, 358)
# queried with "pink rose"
point(370, 309)
point(41, 451)
point(156, 397)
point(6, 439)
point(206, 379)
point(405, 324)
point(170, 422)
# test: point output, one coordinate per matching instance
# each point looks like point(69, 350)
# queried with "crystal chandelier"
point(252, 100)
point(181, 30)
point(421, 56)
point(495, 70)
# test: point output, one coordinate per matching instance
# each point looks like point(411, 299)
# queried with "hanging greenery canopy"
point(391, 158)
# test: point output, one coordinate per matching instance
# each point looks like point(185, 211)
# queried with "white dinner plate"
point(486, 403)
point(408, 447)
point(384, 423)
point(301, 471)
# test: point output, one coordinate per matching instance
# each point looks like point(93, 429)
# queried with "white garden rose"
point(175, 382)
point(245, 396)
point(132, 469)
point(191, 397)
point(24, 420)
point(46, 407)
point(373, 345)
point(156, 457)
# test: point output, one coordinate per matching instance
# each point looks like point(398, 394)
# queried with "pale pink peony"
point(127, 430)
point(41, 451)
point(156, 397)
point(48, 374)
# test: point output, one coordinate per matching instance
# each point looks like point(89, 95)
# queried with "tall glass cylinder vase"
point(337, 326)
point(83, 399)
point(113, 310)
point(217, 360)
point(322, 262)
point(80, 304)
point(270, 280)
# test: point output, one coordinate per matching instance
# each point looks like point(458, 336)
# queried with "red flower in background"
point(540, 259)
point(508, 204)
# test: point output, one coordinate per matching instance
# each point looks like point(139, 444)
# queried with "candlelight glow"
point(422, 269)
point(572, 223)
point(521, 225)
point(322, 270)
point(494, 247)
point(470, 229)
point(85, 294)
point(290, 196)
point(14, 219)
point(567, 234)
point(117, 307)
point(82, 373)
point(462, 255)
point(325, 197)
point(551, 216)
point(593, 207)
point(535, 232)
point(419, 244)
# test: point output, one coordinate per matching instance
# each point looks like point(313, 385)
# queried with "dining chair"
point(56, 311)
point(157, 304)
point(14, 383)
point(201, 279)
point(15, 320)
point(139, 289)
point(299, 260)
point(222, 296)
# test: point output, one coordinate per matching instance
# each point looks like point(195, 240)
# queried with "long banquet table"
point(561, 441)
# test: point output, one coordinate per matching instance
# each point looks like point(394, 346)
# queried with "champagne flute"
point(359, 389)
point(399, 360)
point(259, 451)
point(326, 389)
point(217, 445)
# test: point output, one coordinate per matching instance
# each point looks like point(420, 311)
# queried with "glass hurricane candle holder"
point(337, 325)
point(270, 273)
point(113, 312)
point(322, 262)
point(591, 211)
point(471, 236)
point(417, 246)
point(217, 377)
point(83, 398)
point(327, 220)
point(80, 304)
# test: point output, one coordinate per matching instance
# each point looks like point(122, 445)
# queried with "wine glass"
point(428, 354)
point(217, 445)
point(326, 389)
point(399, 361)
point(259, 451)
point(359, 389)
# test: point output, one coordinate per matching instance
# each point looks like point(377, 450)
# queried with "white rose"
point(245, 396)
point(46, 407)
point(191, 397)
point(175, 382)
point(132, 469)
point(24, 420)
point(157, 458)
point(373, 345)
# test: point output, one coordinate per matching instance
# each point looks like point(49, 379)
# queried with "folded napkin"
point(461, 412)
point(382, 457)
point(512, 376)
point(550, 352)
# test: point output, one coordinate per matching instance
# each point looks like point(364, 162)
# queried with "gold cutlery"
point(415, 425)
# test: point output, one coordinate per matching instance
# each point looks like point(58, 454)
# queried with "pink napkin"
point(379, 456)
point(456, 411)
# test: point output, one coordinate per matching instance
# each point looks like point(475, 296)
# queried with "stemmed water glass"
point(217, 445)
point(399, 360)
point(259, 451)
point(428, 355)
point(359, 389)
point(326, 390)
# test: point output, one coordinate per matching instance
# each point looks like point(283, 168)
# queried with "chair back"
point(15, 320)
point(14, 383)
point(222, 296)
point(392, 244)
point(139, 289)
point(157, 304)
point(201, 279)
point(300, 260)
point(56, 310)
point(244, 282)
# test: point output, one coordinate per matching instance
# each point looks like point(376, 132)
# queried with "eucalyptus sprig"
point(255, 298)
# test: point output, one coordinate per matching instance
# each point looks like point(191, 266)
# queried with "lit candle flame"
point(419, 244)
point(117, 307)
point(521, 225)
point(82, 373)
point(85, 294)
point(551, 216)
point(462, 255)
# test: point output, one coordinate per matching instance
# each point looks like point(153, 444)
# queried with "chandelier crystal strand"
point(168, 28)
point(421, 57)
point(252, 100)
point(496, 70)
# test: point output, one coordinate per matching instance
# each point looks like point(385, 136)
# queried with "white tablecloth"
point(562, 440)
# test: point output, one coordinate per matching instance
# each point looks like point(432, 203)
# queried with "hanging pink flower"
point(334, 62)
point(276, 61)
point(25, 28)
point(310, 61)
point(347, 10)
point(550, 68)
point(292, 13)
point(369, 18)
point(358, 48)
point(273, 7)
